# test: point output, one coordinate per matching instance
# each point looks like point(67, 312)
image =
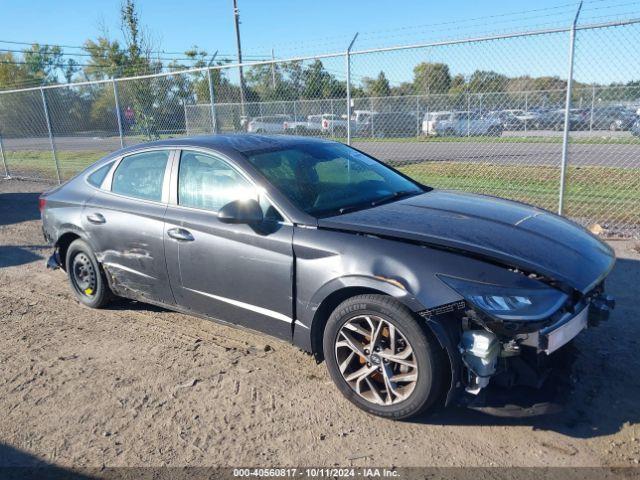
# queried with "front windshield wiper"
point(378, 201)
point(393, 196)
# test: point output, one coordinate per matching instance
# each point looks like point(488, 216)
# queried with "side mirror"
point(241, 211)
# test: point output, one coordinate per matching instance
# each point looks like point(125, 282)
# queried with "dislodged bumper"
point(524, 364)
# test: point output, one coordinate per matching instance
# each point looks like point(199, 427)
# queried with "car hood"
point(507, 232)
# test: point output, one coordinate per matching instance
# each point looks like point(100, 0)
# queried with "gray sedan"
point(415, 297)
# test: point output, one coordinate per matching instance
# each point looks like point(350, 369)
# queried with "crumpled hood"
point(514, 234)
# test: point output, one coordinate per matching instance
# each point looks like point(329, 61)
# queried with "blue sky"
point(305, 27)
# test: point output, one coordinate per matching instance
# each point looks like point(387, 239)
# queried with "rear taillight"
point(42, 202)
point(325, 124)
point(285, 125)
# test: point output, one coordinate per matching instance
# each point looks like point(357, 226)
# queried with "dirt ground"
point(134, 385)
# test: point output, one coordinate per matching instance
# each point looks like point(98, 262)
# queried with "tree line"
point(151, 105)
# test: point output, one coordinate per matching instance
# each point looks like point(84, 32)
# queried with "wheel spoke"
point(376, 334)
point(359, 374)
point(392, 338)
point(401, 358)
point(404, 377)
point(346, 362)
point(374, 391)
point(351, 343)
point(354, 327)
point(390, 386)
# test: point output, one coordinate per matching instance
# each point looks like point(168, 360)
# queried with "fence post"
point(212, 101)
point(468, 114)
point(332, 118)
point(417, 116)
point(51, 142)
point(118, 111)
point(372, 117)
point(348, 60)
point(567, 107)
point(526, 110)
point(4, 160)
point(593, 100)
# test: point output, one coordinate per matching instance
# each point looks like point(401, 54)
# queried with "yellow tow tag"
point(88, 291)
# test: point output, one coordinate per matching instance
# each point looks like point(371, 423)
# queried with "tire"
point(415, 396)
point(86, 277)
point(495, 132)
point(339, 132)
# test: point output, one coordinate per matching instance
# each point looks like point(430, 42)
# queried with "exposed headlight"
point(509, 303)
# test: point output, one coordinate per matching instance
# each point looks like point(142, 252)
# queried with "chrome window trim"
point(164, 200)
point(112, 161)
point(173, 196)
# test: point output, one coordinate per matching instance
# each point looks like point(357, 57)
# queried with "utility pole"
point(273, 69)
point(236, 19)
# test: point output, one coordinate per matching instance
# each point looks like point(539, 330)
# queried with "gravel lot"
point(135, 385)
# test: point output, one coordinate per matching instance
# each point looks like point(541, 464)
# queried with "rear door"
point(241, 274)
point(125, 223)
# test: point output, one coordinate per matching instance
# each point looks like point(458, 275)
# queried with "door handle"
point(96, 218)
point(180, 234)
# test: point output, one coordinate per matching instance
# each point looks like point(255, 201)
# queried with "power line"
point(85, 47)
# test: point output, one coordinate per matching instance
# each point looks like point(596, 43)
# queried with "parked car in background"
point(268, 124)
point(526, 117)
point(554, 120)
point(611, 118)
point(336, 125)
point(415, 297)
point(635, 128)
point(507, 119)
point(388, 124)
point(362, 116)
point(301, 127)
point(458, 124)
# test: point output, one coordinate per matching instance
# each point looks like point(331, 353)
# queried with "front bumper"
point(536, 380)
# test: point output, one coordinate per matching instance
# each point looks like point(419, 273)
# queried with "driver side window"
point(209, 183)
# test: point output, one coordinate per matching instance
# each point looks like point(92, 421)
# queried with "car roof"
point(244, 143)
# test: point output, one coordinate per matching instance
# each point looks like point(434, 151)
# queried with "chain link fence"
point(492, 115)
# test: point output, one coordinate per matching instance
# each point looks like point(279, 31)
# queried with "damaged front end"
point(509, 342)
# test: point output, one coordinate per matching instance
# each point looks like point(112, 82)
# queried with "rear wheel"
point(85, 275)
point(381, 359)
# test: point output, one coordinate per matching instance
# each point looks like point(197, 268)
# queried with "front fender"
point(387, 285)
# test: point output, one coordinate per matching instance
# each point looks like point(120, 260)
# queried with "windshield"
point(326, 179)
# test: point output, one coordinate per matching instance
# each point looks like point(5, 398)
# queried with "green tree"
point(376, 87)
point(431, 78)
point(482, 81)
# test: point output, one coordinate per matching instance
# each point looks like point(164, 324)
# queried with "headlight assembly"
point(509, 303)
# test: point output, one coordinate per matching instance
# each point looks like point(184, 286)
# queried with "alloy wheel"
point(376, 359)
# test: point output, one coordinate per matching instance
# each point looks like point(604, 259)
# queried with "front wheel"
point(381, 359)
point(85, 275)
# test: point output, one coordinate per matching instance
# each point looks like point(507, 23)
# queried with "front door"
point(240, 274)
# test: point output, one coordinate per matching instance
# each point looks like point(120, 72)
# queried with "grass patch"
point(604, 194)
point(41, 164)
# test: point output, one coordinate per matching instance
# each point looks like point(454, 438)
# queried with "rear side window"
point(209, 183)
point(97, 177)
point(141, 175)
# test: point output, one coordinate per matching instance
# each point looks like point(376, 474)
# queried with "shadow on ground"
point(13, 255)
point(18, 207)
point(17, 464)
